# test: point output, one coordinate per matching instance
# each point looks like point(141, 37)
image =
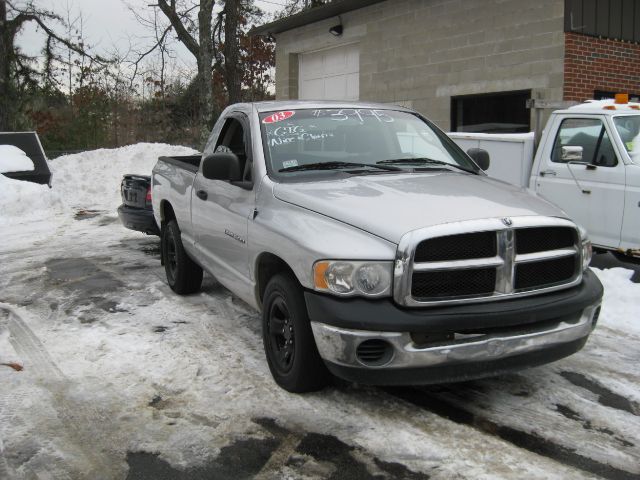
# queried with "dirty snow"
point(116, 364)
point(13, 159)
point(621, 300)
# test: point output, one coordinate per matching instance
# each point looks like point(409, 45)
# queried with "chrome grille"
point(485, 260)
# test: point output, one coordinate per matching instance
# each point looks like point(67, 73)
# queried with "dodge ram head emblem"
point(507, 221)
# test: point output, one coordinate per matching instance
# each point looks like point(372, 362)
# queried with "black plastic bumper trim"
point(385, 315)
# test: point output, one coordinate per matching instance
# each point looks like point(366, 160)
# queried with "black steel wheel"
point(183, 274)
point(289, 345)
point(281, 335)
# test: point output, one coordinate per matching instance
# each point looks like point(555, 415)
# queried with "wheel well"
point(269, 265)
point(166, 212)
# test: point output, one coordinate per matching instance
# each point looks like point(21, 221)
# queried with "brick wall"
point(599, 64)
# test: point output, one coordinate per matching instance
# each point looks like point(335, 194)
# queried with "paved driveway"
point(124, 379)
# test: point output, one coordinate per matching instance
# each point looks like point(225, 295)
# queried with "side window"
point(591, 135)
point(232, 139)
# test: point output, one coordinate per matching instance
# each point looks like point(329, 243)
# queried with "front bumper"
point(458, 349)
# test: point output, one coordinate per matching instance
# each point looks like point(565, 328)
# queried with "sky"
point(109, 23)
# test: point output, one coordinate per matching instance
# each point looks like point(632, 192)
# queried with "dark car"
point(136, 212)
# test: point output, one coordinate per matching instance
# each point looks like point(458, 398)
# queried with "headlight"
point(344, 277)
point(587, 249)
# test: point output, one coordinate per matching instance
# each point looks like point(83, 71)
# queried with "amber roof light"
point(622, 98)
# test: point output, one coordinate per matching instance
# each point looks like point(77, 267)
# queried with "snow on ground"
point(12, 159)
point(22, 202)
point(118, 369)
point(621, 300)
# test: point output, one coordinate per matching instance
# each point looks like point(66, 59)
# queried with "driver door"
point(221, 210)
point(588, 182)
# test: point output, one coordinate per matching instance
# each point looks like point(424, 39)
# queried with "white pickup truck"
point(375, 248)
point(587, 163)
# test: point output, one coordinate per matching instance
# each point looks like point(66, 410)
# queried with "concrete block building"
point(470, 65)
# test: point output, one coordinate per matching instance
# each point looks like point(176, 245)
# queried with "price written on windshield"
point(360, 114)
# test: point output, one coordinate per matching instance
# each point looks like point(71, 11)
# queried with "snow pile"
point(91, 180)
point(22, 202)
point(620, 305)
point(12, 159)
point(87, 180)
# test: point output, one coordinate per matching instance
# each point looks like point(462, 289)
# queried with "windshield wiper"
point(337, 166)
point(423, 161)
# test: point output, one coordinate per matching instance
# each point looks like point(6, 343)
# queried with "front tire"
point(289, 344)
point(183, 274)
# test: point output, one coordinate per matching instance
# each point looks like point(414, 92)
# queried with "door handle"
point(548, 172)
point(202, 194)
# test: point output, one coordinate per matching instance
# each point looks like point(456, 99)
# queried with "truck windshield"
point(628, 127)
point(307, 141)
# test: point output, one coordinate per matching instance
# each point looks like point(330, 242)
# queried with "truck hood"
point(391, 205)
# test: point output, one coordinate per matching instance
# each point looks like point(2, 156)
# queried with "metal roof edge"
point(332, 9)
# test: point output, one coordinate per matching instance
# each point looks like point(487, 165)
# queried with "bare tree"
point(213, 46)
point(13, 63)
point(201, 48)
point(292, 7)
point(231, 49)
point(7, 91)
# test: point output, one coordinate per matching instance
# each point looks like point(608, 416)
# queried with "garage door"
point(332, 74)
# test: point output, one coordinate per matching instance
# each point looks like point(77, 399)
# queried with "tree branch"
point(141, 56)
point(184, 36)
point(34, 16)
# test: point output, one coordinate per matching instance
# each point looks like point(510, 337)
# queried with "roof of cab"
point(598, 107)
point(270, 106)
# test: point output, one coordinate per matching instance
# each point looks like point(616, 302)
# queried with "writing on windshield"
point(360, 114)
point(295, 139)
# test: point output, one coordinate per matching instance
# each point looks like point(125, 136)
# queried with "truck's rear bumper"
point(457, 351)
point(139, 219)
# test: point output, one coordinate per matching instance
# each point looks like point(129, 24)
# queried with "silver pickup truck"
point(375, 249)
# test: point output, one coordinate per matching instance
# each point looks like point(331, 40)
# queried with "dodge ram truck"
point(375, 248)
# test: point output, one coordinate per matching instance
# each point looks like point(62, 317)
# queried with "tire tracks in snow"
point(75, 415)
point(447, 406)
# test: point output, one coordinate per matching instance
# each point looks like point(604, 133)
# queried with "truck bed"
point(189, 162)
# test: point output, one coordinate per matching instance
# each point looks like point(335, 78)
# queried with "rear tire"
point(289, 344)
point(183, 274)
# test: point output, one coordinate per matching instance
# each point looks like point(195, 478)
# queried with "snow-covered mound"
point(22, 202)
point(620, 305)
point(12, 159)
point(87, 180)
point(91, 179)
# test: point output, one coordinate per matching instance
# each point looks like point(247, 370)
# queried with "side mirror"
point(480, 156)
point(571, 154)
point(222, 166)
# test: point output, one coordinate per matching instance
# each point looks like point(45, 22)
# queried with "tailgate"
point(134, 189)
